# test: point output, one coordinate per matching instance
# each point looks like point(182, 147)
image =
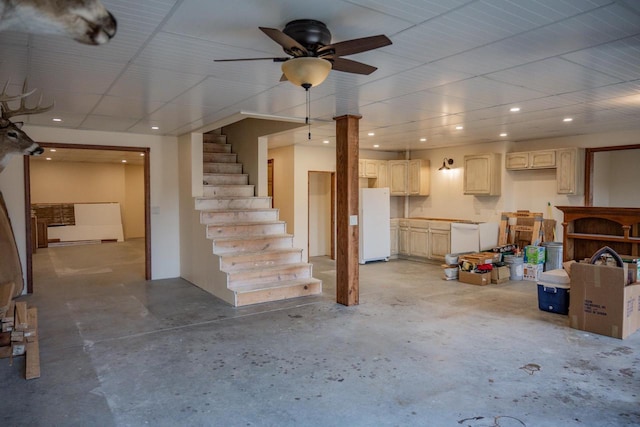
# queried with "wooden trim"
point(333, 216)
point(347, 267)
point(28, 229)
point(147, 200)
point(589, 164)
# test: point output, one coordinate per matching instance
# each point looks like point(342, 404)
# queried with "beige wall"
point(283, 195)
point(133, 215)
point(163, 192)
point(73, 182)
point(245, 136)
point(319, 213)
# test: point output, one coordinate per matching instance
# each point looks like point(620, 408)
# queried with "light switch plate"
point(353, 219)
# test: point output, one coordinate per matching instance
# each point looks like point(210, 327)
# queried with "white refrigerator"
point(374, 225)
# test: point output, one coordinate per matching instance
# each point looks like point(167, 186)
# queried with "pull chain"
point(306, 87)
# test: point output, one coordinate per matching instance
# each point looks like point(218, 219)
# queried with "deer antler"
point(7, 112)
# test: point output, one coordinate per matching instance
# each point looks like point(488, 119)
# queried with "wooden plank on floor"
point(6, 296)
point(32, 369)
point(32, 332)
point(22, 320)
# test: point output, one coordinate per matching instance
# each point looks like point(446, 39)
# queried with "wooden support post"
point(347, 267)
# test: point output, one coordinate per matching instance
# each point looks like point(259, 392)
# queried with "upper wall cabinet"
point(543, 159)
point(482, 174)
point(368, 168)
point(408, 177)
point(570, 172)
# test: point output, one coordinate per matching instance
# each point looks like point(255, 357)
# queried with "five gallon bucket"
point(553, 260)
point(516, 266)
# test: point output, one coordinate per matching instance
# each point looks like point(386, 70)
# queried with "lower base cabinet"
point(420, 239)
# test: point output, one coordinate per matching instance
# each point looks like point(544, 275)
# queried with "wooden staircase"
point(254, 249)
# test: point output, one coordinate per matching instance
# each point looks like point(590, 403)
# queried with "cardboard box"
point(553, 298)
point(600, 301)
point(480, 279)
point(532, 271)
point(479, 258)
point(500, 274)
point(534, 255)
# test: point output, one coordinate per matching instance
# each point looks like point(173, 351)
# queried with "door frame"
point(589, 162)
point(333, 211)
point(147, 201)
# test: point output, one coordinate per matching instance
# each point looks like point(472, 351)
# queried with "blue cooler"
point(553, 291)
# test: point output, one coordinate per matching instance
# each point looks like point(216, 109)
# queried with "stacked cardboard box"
point(534, 257)
point(469, 267)
point(601, 301)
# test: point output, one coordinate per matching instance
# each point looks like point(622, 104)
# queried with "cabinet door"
point(382, 180)
point(418, 178)
point(371, 168)
point(419, 242)
point(516, 161)
point(570, 171)
point(361, 168)
point(544, 159)
point(394, 239)
point(482, 174)
point(403, 240)
point(439, 244)
point(397, 177)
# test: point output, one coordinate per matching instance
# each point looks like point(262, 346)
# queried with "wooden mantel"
point(588, 228)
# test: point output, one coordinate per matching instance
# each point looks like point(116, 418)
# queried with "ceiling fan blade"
point(252, 59)
point(289, 44)
point(350, 66)
point(349, 47)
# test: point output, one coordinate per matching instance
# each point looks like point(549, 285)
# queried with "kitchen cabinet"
point(439, 240)
point(408, 177)
point(482, 174)
point(542, 159)
point(382, 180)
point(419, 239)
point(403, 237)
point(367, 168)
point(570, 171)
point(394, 237)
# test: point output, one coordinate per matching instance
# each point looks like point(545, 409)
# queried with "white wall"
point(164, 189)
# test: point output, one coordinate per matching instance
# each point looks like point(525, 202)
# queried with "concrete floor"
point(417, 351)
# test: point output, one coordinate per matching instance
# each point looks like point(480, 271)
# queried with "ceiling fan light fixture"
point(306, 70)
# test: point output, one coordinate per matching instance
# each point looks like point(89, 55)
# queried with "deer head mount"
point(12, 139)
point(86, 21)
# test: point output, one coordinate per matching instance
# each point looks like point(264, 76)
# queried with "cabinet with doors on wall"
point(482, 174)
point(403, 177)
point(568, 163)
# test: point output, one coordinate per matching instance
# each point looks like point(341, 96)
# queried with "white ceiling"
point(452, 62)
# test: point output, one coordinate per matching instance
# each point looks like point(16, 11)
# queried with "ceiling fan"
point(308, 38)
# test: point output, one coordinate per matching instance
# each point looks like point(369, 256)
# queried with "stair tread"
point(233, 198)
point(229, 185)
point(268, 268)
point(239, 210)
point(233, 224)
point(251, 237)
point(263, 252)
point(273, 285)
point(214, 174)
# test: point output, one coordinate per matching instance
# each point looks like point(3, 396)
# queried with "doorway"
point(117, 166)
point(321, 217)
point(611, 175)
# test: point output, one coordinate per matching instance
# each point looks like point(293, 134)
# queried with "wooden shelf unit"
point(588, 228)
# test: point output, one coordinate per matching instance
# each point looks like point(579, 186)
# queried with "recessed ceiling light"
point(514, 109)
point(141, 154)
point(155, 127)
point(459, 127)
point(503, 134)
point(124, 161)
point(325, 141)
point(55, 119)
point(53, 150)
point(567, 119)
point(423, 139)
point(48, 158)
point(376, 146)
point(371, 134)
